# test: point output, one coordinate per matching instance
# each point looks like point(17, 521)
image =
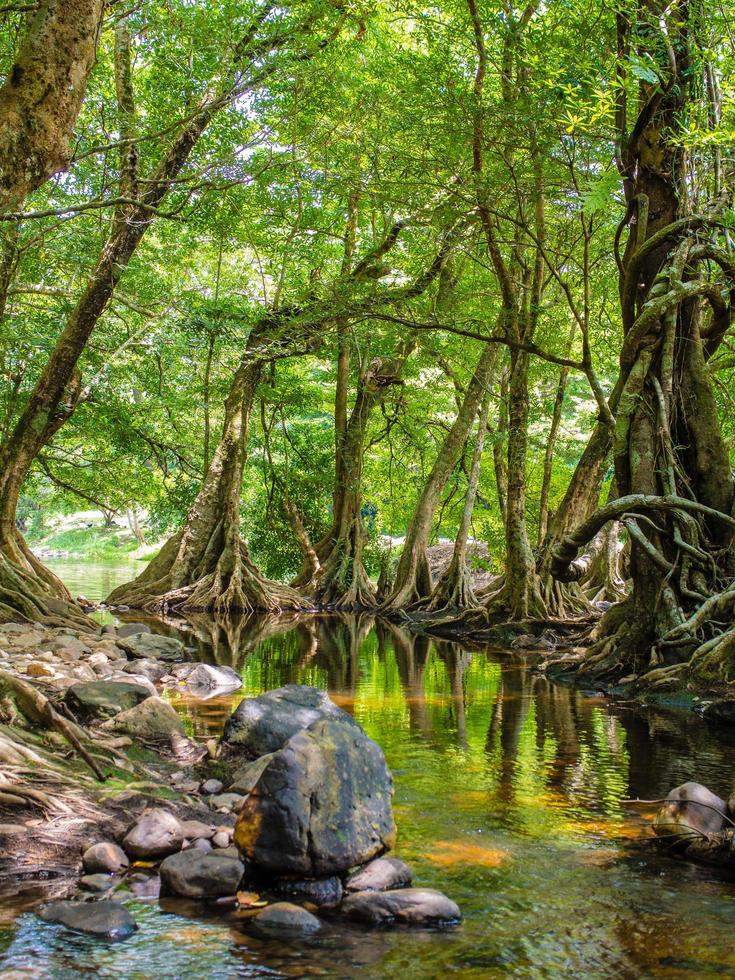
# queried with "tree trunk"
point(454, 591)
point(42, 95)
point(413, 576)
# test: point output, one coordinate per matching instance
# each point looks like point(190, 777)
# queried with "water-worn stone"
point(381, 875)
point(103, 920)
point(200, 874)
point(321, 806)
point(39, 670)
point(197, 830)
point(222, 838)
point(411, 906)
point(104, 857)
point(132, 629)
point(320, 891)
point(144, 886)
point(103, 699)
point(153, 720)
point(225, 801)
point(97, 883)
point(264, 724)
point(210, 787)
point(690, 810)
point(285, 919)
point(206, 680)
point(155, 834)
point(153, 645)
point(151, 669)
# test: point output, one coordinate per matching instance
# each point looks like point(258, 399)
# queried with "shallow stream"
point(509, 797)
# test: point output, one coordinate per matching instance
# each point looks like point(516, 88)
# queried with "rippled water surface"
point(509, 797)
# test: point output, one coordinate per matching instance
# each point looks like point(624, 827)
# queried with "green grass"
point(88, 542)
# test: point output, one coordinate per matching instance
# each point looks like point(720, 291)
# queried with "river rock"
point(411, 906)
point(264, 724)
point(151, 645)
point(285, 919)
point(225, 801)
point(70, 642)
point(103, 920)
point(206, 680)
point(97, 883)
point(104, 857)
point(200, 874)
point(103, 699)
point(210, 787)
point(321, 805)
point(130, 677)
point(153, 720)
point(381, 875)
point(320, 891)
point(690, 810)
point(156, 834)
point(151, 669)
point(197, 830)
point(132, 629)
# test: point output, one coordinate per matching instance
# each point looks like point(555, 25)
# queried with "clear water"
point(509, 797)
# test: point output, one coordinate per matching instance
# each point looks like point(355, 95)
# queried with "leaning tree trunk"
point(341, 581)
point(206, 566)
point(454, 592)
point(42, 95)
point(413, 576)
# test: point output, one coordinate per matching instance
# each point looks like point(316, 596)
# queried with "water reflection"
point(509, 796)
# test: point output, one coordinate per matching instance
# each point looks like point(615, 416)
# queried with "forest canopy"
point(311, 286)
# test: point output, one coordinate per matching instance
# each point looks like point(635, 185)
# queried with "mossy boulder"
point(321, 805)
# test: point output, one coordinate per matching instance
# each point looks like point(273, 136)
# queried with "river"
point(509, 797)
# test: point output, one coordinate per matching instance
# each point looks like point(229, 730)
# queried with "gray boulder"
point(155, 834)
point(103, 699)
point(410, 906)
point(263, 724)
point(97, 883)
point(285, 919)
point(103, 919)
point(200, 874)
point(321, 806)
point(690, 811)
point(381, 875)
point(151, 645)
point(104, 857)
point(319, 891)
point(153, 720)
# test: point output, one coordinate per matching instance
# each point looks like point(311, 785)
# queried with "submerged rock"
point(103, 699)
point(97, 883)
point(153, 720)
point(104, 857)
point(320, 891)
point(411, 906)
point(321, 806)
point(381, 875)
point(200, 874)
point(156, 834)
point(690, 811)
point(285, 919)
point(103, 920)
point(263, 724)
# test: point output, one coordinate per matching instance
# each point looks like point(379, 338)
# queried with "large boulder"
point(156, 834)
point(153, 720)
point(410, 906)
point(321, 806)
point(103, 699)
point(263, 724)
point(200, 874)
point(103, 919)
point(690, 811)
point(142, 646)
